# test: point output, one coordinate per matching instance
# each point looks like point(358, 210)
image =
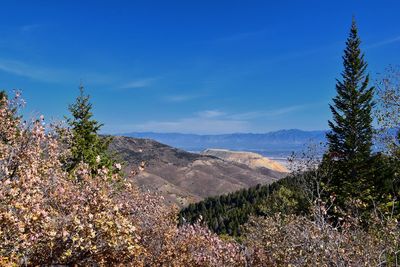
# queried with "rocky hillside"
point(253, 160)
point(183, 177)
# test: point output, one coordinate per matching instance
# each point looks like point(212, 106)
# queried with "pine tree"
point(86, 145)
point(350, 138)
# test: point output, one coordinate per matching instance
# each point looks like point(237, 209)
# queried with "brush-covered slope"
point(183, 177)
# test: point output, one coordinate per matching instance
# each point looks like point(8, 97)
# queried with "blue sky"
point(190, 66)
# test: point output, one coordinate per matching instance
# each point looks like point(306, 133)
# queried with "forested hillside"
point(226, 214)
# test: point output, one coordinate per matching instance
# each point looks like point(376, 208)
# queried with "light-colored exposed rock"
point(253, 160)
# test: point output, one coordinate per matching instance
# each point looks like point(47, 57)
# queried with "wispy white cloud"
point(53, 74)
point(195, 125)
point(139, 83)
point(241, 36)
point(272, 113)
point(385, 42)
point(58, 75)
point(30, 27)
point(33, 72)
point(202, 122)
point(210, 114)
point(180, 98)
point(212, 121)
point(285, 110)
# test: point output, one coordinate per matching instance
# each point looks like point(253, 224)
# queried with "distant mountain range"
point(276, 144)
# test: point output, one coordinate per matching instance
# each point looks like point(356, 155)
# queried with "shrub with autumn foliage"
point(51, 217)
point(289, 240)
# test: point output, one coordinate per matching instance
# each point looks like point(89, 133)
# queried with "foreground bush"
point(298, 241)
point(48, 216)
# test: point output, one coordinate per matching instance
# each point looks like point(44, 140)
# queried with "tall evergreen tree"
point(350, 138)
point(86, 145)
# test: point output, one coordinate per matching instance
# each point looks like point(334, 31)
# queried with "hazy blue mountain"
point(279, 143)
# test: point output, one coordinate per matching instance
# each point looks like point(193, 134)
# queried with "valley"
point(182, 177)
